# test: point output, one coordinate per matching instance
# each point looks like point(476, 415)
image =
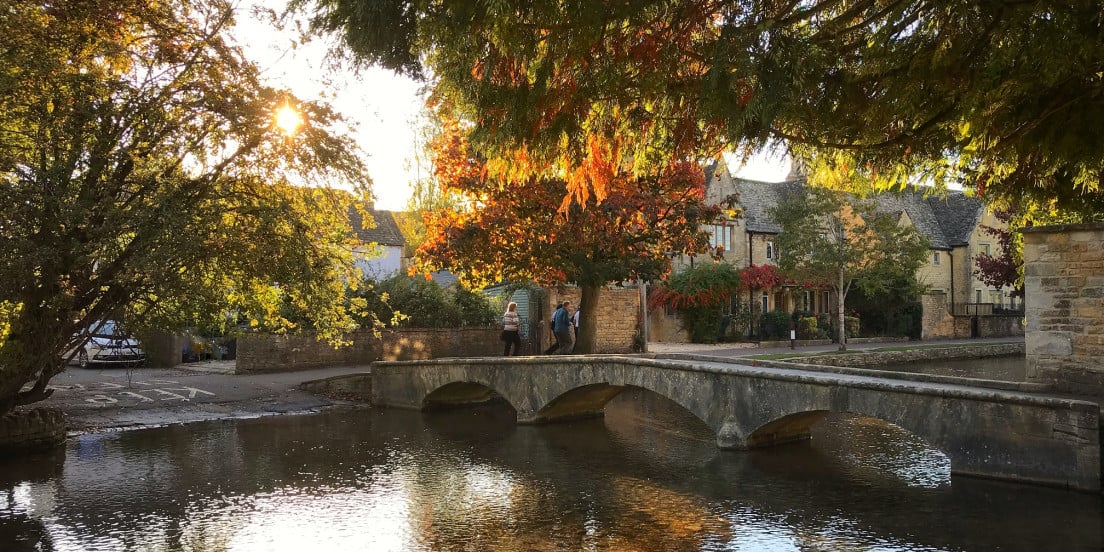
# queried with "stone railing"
point(885, 358)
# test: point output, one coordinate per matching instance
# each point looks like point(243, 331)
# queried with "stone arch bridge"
point(996, 433)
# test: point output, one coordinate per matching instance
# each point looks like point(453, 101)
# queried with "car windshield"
point(106, 328)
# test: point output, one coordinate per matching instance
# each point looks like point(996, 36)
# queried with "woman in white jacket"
point(510, 324)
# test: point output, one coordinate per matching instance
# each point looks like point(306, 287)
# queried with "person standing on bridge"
point(552, 328)
point(563, 328)
point(575, 329)
point(510, 325)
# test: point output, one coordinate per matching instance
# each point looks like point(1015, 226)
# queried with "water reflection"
point(649, 477)
point(1001, 368)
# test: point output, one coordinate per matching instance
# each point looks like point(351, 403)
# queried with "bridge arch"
point(459, 394)
point(999, 433)
point(559, 400)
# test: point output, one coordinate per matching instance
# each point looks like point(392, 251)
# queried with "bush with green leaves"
point(404, 301)
point(775, 325)
point(699, 294)
point(807, 327)
point(851, 324)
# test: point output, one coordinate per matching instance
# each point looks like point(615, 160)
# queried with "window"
point(807, 301)
point(985, 249)
point(770, 250)
point(935, 258)
point(825, 302)
point(996, 298)
point(977, 295)
point(766, 302)
point(721, 236)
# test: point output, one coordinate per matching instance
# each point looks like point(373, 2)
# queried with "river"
point(646, 478)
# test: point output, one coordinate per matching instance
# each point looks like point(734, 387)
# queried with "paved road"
point(96, 398)
point(115, 397)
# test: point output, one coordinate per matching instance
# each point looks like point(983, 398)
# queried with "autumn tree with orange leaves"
point(515, 226)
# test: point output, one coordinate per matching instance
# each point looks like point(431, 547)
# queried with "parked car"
point(108, 344)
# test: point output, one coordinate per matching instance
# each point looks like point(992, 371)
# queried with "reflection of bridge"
point(984, 431)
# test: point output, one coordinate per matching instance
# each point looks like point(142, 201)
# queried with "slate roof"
point(758, 198)
point(945, 221)
point(958, 215)
point(919, 211)
point(386, 231)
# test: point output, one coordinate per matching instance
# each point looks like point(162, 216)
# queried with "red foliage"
point(764, 276)
point(1002, 269)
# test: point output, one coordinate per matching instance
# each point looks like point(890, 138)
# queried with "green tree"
point(830, 238)
point(143, 178)
point(1003, 96)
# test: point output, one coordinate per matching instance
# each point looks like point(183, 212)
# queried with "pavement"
point(99, 399)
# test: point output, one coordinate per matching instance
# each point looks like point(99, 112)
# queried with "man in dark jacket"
point(555, 345)
point(563, 328)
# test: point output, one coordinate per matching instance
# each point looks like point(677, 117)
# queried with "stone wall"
point(666, 328)
point(618, 316)
point(939, 323)
point(990, 326)
point(287, 353)
point(867, 359)
point(936, 322)
point(24, 430)
point(162, 349)
point(1064, 292)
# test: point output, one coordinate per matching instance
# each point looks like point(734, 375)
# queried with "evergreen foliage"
point(1004, 97)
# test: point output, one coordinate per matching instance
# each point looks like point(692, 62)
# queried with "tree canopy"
point(830, 239)
point(1005, 97)
point(143, 178)
point(513, 229)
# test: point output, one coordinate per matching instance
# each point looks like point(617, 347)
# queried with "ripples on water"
point(647, 478)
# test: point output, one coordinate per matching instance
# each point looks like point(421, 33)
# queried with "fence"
point(987, 309)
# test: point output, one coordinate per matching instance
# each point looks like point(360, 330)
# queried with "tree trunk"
point(588, 321)
point(841, 296)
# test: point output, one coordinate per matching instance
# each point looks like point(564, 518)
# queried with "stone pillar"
point(1064, 299)
point(162, 349)
point(937, 322)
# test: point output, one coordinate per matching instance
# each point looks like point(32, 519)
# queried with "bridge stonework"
point(984, 432)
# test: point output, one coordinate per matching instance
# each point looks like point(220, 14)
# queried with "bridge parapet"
point(984, 431)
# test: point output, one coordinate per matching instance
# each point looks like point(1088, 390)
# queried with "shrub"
point(807, 327)
point(699, 294)
point(401, 300)
point(851, 323)
point(775, 325)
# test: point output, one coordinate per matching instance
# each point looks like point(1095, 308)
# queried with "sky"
point(384, 106)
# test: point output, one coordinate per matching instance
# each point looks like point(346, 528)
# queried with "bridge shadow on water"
point(886, 479)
